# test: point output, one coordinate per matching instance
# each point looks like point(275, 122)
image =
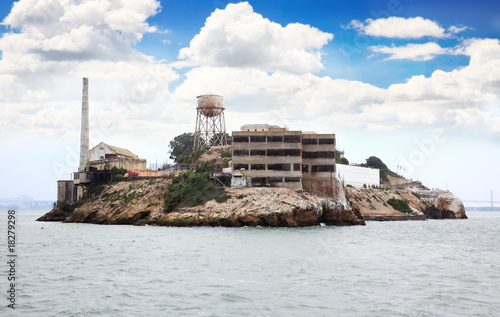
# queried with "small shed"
point(238, 179)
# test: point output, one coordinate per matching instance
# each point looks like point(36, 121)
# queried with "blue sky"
point(416, 83)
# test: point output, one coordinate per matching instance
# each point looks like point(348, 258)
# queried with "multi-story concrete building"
point(279, 157)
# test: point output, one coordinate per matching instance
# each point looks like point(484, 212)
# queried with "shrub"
point(226, 154)
point(399, 204)
point(193, 188)
point(117, 174)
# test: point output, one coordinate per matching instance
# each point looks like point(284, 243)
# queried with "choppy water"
point(419, 268)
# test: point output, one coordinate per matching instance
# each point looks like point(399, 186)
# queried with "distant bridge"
point(491, 201)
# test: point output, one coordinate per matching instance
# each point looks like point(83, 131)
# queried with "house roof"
point(238, 173)
point(121, 151)
point(118, 150)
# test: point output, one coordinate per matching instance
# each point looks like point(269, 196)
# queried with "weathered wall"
point(271, 157)
point(318, 164)
point(66, 191)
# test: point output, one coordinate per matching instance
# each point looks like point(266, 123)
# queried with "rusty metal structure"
point(210, 123)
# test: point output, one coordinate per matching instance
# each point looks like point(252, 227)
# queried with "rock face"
point(141, 202)
point(446, 206)
point(274, 207)
point(425, 204)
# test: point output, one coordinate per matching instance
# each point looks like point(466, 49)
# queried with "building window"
point(314, 168)
point(240, 138)
point(305, 168)
point(291, 152)
point(296, 166)
point(319, 154)
point(275, 179)
point(326, 141)
point(326, 168)
point(257, 138)
point(240, 152)
point(275, 152)
point(292, 179)
point(258, 167)
point(274, 138)
point(278, 167)
point(257, 152)
point(240, 166)
point(259, 180)
point(292, 138)
point(309, 141)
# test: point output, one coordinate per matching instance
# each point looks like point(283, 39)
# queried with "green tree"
point(375, 162)
point(181, 145)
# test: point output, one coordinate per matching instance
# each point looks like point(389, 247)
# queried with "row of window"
point(268, 152)
point(270, 167)
point(318, 168)
point(285, 152)
point(281, 138)
point(266, 138)
point(318, 141)
point(318, 154)
point(266, 180)
point(286, 167)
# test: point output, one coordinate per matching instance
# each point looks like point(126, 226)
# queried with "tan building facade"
point(283, 158)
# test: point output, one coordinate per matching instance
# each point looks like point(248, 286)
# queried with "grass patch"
point(399, 204)
point(70, 207)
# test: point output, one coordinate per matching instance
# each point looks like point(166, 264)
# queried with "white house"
point(105, 156)
point(239, 179)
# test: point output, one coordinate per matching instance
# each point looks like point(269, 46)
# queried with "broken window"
point(326, 168)
point(326, 141)
point(259, 180)
point(309, 141)
point(292, 138)
point(279, 167)
point(258, 166)
point(275, 152)
point(274, 138)
point(257, 138)
point(291, 152)
point(240, 138)
point(240, 166)
point(240, 152)
point(257, 152)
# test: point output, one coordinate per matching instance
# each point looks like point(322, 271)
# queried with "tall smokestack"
point(84, 136)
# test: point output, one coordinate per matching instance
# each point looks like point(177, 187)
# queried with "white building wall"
point(358, 176)
point(99, 152)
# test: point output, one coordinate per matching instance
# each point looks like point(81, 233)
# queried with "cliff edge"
point(142, 202)
point(373, 204)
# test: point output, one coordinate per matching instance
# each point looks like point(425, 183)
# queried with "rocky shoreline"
point(142, 203)
point(425, 204)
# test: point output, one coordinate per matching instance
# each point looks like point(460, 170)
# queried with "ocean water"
point(411, 268)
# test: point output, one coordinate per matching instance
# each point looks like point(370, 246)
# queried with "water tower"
point(210, 122)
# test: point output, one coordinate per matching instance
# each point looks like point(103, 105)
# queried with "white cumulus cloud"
point(239, 37)
point(406, 28)
point(416, 52)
